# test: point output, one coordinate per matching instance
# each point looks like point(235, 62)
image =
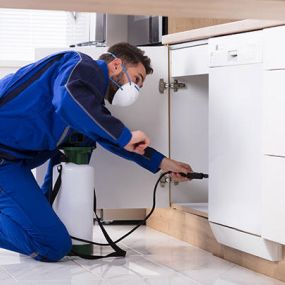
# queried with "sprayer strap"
point(117, 250)
point(57, 185)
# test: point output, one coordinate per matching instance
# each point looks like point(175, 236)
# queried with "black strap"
point(117, 250)
point(55, 190)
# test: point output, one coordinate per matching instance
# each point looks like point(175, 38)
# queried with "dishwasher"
point(235, 143)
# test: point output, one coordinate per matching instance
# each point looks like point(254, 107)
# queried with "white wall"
point(7, 67)
point(4, 70)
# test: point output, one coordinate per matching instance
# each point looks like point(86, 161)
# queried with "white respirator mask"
point(127, 93)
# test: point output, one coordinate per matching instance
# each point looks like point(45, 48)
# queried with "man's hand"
point(138, 142)
point(168, 164)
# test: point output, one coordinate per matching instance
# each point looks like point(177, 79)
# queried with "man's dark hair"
point(129, 54)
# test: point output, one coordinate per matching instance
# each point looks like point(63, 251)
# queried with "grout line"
point(130, 248)
point(5, 270)
point(88, 270)
point(177, 271)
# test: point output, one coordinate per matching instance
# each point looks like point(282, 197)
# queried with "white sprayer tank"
point(74, 202)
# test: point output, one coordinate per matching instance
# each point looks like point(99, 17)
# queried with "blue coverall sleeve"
point(79, 100)
point(151, 160)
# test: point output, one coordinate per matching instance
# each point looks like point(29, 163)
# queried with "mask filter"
point(126, 95)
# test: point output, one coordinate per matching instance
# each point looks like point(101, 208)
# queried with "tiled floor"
point(152, 258)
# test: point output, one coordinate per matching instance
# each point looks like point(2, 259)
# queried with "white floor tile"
point(5, 276)
point(9, 282)
point(10, 257)
point(124, 267)
point(62, 282)
point(200, 266)
point(176, 279)
point(239, 275)
point(161, 247)
point(153, 258)
point(31, 269)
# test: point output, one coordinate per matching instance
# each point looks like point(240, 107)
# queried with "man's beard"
point(112, 88)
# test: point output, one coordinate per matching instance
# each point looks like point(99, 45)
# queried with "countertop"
point(209, 9)
point(219, 30)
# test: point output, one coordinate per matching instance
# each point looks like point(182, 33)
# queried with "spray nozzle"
point(194, 175)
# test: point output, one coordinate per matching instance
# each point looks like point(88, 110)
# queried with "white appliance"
point(236, 145)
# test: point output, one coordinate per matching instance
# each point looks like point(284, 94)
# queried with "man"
point(42, 105)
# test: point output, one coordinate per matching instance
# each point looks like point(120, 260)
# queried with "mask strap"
point(116, 83)
point(126, 72)
point(107, 52)
point(124, 69)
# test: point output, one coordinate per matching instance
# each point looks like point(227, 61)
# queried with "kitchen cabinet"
point(274, 46)
point(273, 209)
point(274, 115)
point(274, 99)
point(273, 199)
point(189, 59)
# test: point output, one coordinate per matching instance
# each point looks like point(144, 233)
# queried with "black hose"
point(140, 222)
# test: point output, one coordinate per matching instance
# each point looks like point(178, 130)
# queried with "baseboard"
point(196, 230)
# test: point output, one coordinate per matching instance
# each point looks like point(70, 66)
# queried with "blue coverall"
point(40, 105)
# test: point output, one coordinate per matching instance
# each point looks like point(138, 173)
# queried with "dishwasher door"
point(235, 132)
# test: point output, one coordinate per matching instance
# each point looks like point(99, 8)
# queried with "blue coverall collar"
point(104, 67)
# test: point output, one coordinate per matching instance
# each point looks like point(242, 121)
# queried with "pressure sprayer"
point(75, 203)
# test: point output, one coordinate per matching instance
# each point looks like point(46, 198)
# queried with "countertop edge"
point(219, 30)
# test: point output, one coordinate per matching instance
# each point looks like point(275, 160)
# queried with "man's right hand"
point(138, 142)
point(175, 167)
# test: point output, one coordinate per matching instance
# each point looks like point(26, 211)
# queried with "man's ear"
point(115, 67)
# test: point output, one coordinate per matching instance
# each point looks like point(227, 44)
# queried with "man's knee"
point(62, 246)
point(59, 245)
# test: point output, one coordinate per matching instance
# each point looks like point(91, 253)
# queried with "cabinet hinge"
point(175, 85)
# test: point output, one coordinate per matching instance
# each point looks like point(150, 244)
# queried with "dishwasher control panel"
point(238, 49)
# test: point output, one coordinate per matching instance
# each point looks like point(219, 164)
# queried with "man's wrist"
point(162, 164)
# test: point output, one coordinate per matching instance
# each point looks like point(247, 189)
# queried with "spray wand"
point(194, 175)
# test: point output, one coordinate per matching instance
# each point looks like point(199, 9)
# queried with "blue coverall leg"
point(28, 224)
